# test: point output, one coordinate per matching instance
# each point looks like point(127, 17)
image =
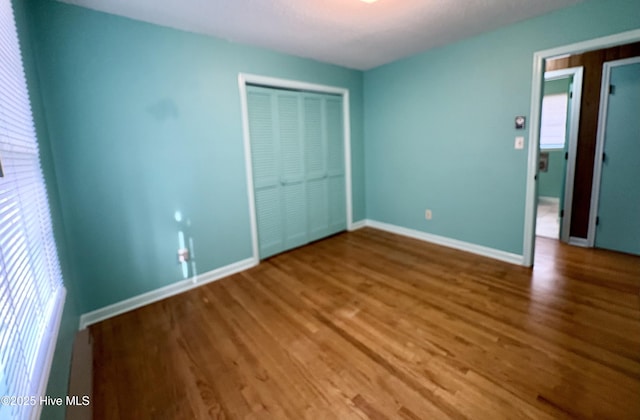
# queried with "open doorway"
point(559, 122)
point(586, 164)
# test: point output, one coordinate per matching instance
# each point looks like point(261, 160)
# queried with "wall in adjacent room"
point(439, 126)
point(145, 125)
point(551, 87)
point(550, 182)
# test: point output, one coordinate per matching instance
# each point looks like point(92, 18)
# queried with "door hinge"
point(566, 155)
point(562, 213)
point(535, 177)
point(597, 220)
point(604, 157)
point(612, 90)
point(570, 95)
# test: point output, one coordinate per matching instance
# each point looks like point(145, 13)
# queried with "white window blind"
point(31, 289)
point(553, 121)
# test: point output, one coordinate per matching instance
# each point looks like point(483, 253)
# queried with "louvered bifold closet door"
point(334, 126)
point(265, 155)
point(316, 166)
point(298, 166)
point(292, 179)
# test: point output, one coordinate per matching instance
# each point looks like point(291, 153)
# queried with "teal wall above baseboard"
point(145, 125)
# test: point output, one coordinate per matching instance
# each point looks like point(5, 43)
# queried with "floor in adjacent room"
point(372, 325)
point(548, 218)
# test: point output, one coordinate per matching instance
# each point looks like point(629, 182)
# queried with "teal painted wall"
point(550, 182)
point(144, 122)
point(59, 376)
point(550, 87)
point(619, 200)
point(439, 126)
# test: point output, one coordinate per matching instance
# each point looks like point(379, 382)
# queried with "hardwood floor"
point(372, 325)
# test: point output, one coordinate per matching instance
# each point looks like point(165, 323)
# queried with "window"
point(553, 121)
point(31, 289)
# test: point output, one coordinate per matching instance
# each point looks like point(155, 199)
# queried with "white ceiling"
point(349, 33)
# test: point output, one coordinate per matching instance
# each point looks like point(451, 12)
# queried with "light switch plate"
point(519, 142)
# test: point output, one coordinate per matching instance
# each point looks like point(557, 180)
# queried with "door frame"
point(539, 57)
point(602, 126)
point(277, 83)
point(574, 124)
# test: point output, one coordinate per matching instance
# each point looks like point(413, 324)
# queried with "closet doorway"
point(298, 162)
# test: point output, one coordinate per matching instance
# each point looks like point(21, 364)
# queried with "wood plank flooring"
point(372, 325)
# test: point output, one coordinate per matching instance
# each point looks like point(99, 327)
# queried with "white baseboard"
point(164, 292)
point(182, 286)
point(448, 242)
point(549, 200)
point(583, 242)
point(357, 225)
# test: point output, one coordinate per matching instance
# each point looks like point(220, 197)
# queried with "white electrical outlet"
point(519, 142)
point(427, 214)
point(183, 255)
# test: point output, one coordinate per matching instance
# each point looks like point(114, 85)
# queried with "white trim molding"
point(248, 166)
point(243, 80)
point(578, 242)
point(51, 339)
point(357, 225)
point(173, 289)
point(539, 58)
point(448, 242)
point(550, 200)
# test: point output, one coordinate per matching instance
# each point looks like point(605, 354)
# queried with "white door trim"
point(243, 80)
point(574, 124)
point(539, 58)
point(602, 126)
